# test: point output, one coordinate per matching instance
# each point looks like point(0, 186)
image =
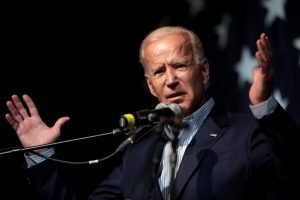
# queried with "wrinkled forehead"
point(175, 40)
point(168, 47)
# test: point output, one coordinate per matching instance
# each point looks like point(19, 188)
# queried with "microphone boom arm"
point(26, 149)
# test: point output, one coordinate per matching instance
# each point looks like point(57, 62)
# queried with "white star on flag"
point(195, 7)
point(222, 31)
point(282, 101)
point(296, 44)
point(245, 67)
point(275, 9)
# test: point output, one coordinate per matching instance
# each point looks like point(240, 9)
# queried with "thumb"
point(60, 122)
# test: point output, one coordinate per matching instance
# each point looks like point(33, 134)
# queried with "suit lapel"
point(207, 135)
point(154, 162)
point(155, 192)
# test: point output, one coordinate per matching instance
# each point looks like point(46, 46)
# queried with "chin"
point(180, 102)
point(184, 107)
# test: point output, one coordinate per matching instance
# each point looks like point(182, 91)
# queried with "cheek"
point(157, 89)
point(198, 79)
point(160, 91)
point(196, 86)
point(194, 82)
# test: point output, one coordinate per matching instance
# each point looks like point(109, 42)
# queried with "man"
point(220, 155)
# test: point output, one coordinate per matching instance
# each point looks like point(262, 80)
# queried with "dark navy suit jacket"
point(231, 157)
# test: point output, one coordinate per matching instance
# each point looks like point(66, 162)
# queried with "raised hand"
point(261, 87)
point(28, 124)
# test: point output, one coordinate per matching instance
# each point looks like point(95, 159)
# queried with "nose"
point(171, 77)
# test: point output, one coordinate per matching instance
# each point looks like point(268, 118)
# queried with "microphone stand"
point(173, 158)
point(26, 149)
point(176, 125)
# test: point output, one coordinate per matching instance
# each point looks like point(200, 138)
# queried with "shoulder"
point(225, 118)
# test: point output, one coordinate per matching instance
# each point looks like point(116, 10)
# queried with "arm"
point(31, 131)
point(272, 117)
point(282, 132)
point(47, 182)
point(45, 177)
point(264, 107)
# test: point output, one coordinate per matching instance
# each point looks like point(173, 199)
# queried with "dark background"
point(81, 60)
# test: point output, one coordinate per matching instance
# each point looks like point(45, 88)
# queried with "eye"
point(181, 66)
point(159, 71)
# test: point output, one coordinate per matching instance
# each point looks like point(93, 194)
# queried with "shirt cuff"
point(264, 108)
point(34, 159)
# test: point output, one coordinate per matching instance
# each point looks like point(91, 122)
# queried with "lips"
point(175, 95)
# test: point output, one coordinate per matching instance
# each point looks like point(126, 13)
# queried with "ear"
point(205, 71)
point(150, 86)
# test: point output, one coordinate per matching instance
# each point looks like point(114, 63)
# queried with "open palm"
point(28, 124)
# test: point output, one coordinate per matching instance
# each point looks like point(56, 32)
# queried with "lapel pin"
point(213, 135)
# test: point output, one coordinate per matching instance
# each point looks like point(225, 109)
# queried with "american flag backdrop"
point(229, 30)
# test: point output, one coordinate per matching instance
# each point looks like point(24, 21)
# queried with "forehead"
point(168, 46)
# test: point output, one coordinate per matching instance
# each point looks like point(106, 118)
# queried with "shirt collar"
point(194, 120)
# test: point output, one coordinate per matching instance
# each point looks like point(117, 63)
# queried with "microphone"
point(142, 122)
point(149, 117)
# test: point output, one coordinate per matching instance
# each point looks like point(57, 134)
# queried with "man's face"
point(172, 75)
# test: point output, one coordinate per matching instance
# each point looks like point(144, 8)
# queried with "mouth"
point(175, 97)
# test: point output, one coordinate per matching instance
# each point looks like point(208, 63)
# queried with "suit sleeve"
point(281, 128)
point(283, 135)
point(48, 184)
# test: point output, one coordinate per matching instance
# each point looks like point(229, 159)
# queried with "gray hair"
point(197, 47)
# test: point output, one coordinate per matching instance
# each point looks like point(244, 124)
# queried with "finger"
point(265, 68)
point(265, 58)
point(266, 46)
point(31, 105)
point(261, 49)
point(14, 112)
point(267, 52)
point(12, 122)
point(19, 106)
point(259, 59)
